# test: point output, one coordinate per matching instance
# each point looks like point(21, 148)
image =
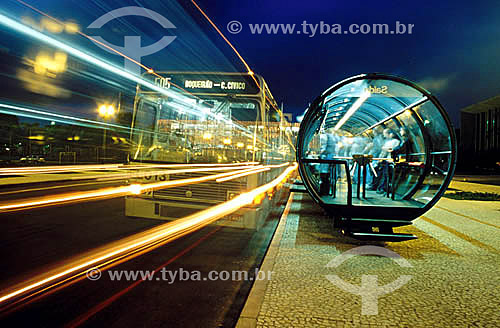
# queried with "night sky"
point(453, 50)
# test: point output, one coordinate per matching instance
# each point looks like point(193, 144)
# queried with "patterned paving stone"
point(449, 287)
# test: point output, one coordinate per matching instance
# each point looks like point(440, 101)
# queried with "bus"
point(223, 118)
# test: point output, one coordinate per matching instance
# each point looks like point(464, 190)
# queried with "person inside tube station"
point(390, 142)
point(389, 149)
point(401, 156)
point(328, 141)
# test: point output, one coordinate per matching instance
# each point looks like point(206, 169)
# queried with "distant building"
point(480, 134)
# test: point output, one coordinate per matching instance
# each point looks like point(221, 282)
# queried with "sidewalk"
point(474, 187)
point(453, 273)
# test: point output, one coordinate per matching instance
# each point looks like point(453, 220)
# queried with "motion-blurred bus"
point(229, 118)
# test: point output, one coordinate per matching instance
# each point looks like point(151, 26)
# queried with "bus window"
point(143, 130)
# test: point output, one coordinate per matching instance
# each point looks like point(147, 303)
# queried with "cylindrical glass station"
point(376, 148)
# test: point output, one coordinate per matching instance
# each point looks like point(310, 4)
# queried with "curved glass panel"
point(376, 140)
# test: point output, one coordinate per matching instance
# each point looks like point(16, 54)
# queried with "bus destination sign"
point(209, 83)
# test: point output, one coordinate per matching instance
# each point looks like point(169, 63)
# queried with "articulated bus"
point(230, 118)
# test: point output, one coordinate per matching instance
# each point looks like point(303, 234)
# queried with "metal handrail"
point(335, 161)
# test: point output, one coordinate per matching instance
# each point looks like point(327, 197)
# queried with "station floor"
point(372, 198)
point(453, 271)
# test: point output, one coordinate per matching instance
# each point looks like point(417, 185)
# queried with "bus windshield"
point(223, 132)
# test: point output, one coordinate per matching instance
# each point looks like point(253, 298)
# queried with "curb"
point(250, 312)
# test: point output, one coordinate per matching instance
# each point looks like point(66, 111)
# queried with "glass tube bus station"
point(376, 151)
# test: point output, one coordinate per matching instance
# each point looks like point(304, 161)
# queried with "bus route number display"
point(203, 83)
point(208, 84)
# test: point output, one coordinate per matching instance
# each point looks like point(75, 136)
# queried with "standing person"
point(403, 149)
point(390, 143)
point(375, 150)
point(400, 155)
point(328, 143)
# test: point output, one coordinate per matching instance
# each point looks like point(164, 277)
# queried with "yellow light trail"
point(138, 243)
point(182, 182)
point(249, 70)
point(133, 189)
point(143, 174)
point(243, 174)
point(25, 170)
point(280, 165)
point(257, 170)
point(169, 172)
point(86, 167)
point(223, 36)
point(55, 187)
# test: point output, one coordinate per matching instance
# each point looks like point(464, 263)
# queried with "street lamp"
point(106, 112)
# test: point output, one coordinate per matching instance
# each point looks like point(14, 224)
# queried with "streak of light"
point(72, 29)
point(182, 182)
point(13, 24)
point(38, 114)
point(279, 165)
point(132, 189)
point(85, 35)
point(25, 170)
point(104, 304)
point(140, 243)
point(53, 187)
point(150, 70)
point(207, 164)
point(249, 70)
point(223, 36)
point(243, 174)
point(150, 174)
point(69, 197)
point(52, 169)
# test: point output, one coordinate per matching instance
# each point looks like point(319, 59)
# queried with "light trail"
point(257, 170)
point(280, 165)
point(249, 70)
point(133, 189)
point(223, 36)
point(51, 169)
point(150, 70)
point(137, 244)
point(53, 187)
point(23, 29)
point(243, 174)
point(85, 35)
point(99, 307)
point(48, 116)
point(182, 182)
point(150, 174)
point(65, 198)
point(119, 176)
point(55, 167)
